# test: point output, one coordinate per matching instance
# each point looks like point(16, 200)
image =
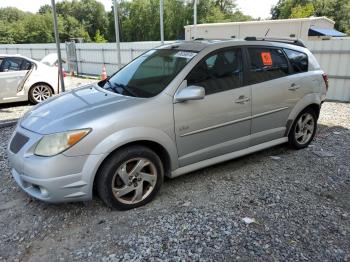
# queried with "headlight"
point(54, 144)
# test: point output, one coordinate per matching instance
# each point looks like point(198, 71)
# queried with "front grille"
point(18, 142)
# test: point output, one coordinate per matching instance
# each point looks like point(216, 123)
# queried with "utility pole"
point(58, 47)
point(116, 27)
point(161, 13)
point(195, 19)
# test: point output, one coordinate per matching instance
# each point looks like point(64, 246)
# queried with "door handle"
point(294, 87)
point(242, 100)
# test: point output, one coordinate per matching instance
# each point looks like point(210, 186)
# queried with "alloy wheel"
point(41, 93)
point(304, 128)
point(134, 180)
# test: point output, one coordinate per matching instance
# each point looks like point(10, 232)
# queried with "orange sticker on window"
point(266, 58)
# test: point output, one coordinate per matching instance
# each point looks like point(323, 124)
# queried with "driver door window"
point(215, 125)
point(219, 72)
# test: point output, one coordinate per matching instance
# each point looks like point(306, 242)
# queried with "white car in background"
point(23, 79)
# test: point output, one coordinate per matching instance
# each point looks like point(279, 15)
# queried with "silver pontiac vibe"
point(172, 110)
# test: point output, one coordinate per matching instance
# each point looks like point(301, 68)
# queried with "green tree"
point(176, 15)
point(90, 13)
point(72, 28)
point(6, 36)
point(337, 10)
point(45, 9)
point(12, 14)
point(139, 20)
point(37, 29)
point(98, 38)
point(302, 11)
point(226, 6)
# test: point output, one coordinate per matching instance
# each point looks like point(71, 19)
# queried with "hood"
point(76, 109)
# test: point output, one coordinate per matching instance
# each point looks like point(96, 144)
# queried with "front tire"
point(130, 177)
point(39, 93)
point(303, 129)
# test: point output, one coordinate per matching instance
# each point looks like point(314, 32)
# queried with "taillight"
point(325, 79)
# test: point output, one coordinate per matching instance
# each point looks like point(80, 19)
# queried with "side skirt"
point(215, 160)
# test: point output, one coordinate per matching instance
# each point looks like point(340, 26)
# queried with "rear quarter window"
point(298, 60)
point(266, 64)
point(26, 65)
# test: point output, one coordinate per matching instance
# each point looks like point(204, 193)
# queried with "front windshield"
point(149, 74)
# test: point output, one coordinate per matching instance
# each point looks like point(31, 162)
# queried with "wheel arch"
point(312, 101)
point(41, 83)
point(316, 108)
point(159, 149)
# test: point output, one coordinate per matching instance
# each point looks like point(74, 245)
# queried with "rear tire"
point(39, 93)
point(130, 177)
point(303, 129)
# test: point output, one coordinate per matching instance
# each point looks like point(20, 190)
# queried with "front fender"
point(134, 134)
point(121, 138)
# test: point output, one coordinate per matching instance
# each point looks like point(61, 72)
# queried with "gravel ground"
point(12, 111)
point(299, 202)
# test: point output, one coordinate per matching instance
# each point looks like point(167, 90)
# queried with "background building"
point(304, 28)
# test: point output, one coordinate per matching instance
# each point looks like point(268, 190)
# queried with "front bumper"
point(60, 189)
point(52, 179)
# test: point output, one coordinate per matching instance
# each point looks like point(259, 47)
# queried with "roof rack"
point(292, 41)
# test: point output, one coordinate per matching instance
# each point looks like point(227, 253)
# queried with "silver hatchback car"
point(175, 109)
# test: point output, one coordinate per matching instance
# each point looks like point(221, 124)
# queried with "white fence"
point(333, 55)
point(334, 58)
point(90, 56)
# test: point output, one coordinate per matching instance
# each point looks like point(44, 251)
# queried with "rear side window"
point(266, 64)
point(298, 60)
point(11, 64)
point(219, 72)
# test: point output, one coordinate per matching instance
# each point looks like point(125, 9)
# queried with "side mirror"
point(190, 93)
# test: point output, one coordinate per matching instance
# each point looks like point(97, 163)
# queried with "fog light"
point(44, 192)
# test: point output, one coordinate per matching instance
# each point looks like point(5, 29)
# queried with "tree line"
point(139, 19)
point(87, 19)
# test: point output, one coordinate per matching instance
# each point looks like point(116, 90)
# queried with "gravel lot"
point(299, 200)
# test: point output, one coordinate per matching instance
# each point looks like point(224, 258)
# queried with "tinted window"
point(26, 65)
point(298, 60)
point(11, 64)
point(266, 64)
point(149, 74)
point(219, 72)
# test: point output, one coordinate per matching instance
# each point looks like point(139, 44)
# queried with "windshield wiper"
point(125, 88)
point(110, 85)
point(114, 86)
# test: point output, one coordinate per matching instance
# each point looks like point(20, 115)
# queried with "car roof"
point(18, 55)
point(201, 44)
point(194, 45)
point(10, 55)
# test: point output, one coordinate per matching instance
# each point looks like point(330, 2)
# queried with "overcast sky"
point(255, 8)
